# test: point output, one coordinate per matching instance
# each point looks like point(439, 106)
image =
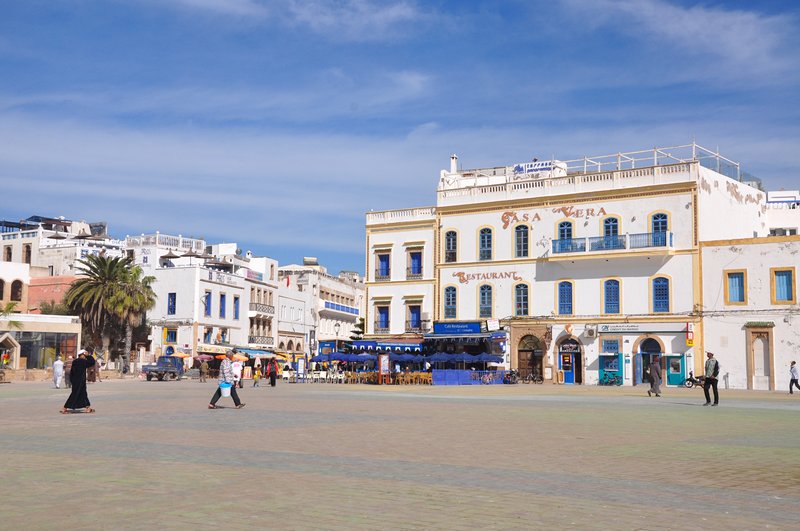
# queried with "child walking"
point(256, 376)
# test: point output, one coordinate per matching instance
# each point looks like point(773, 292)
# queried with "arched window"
point(2, 289)
point(450, 302)
point(610, 227)
point(16, 290)
point(521, 299)
point(7, 254)
point(565, 230)
point(26, 253)
point(485, 303)
point(565, 298)
point(485, 245)
point(521, 241)
point(290, 346)
point(450, 246)
point(611, 292)
point(660, 295)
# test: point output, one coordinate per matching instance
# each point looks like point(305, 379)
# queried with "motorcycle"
point(691, 381)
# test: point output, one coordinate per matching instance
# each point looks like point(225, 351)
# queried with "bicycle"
point(511, 377)
point(535, 378)
point(487, 378)
point(610, 379)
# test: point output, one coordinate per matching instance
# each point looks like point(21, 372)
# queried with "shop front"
point(628, 350)
point(570, 362)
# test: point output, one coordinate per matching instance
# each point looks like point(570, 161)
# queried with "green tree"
point(55, 308)
point(5, 315)
point(90, 295)
point(130, 302)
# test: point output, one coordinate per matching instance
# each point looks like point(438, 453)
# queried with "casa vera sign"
point(465, 278)
point(568, 211)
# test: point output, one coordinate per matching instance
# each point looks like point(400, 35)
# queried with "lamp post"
point(336, 328)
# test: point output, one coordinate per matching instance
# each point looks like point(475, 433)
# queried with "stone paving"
point(327, 456)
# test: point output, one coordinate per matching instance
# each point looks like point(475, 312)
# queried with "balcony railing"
point(414, 326)
point(261, 340)
point(613, 243)
point(341, 308)
point(262, 308)
point(383, 274)
point(651, 239)
point(571, 245)
point(381, 327)
point(413, 273)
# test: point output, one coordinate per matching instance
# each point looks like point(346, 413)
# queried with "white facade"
point(751, 312)
point(315, 302)
point(207, 302)
point(592, 266)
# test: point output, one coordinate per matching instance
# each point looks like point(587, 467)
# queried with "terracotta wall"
point(46, 289)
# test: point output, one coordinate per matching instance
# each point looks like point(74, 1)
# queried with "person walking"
point(256, 376)
point(58, 371)
point(655, 377)
point(78, 398)
point(272, 370)
point(711, 373)
point(794, 376)
point(226, 376)
point(68, 372)
point(203, 371)
point(237, 373)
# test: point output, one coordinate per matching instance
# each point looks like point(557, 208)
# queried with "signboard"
point(472, 327)
point(636, 328)
point(383, 363)
point(569, 346)
point(255, 275)
point(492, 325)
point(465, 278)
point(326, 347)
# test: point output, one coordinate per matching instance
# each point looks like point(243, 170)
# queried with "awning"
point(434, 337)
point(255, 353)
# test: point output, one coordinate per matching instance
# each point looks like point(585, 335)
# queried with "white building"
point(209, 298)
point(592, 266)
point(317, 308)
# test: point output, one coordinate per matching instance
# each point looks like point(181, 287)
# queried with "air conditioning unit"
point(591, 331)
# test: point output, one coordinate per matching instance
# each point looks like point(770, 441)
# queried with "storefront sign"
point(513, 217)
point(637, 328)
point(254, 275)
point(569, 346)
point(457, 328)
point(570, 211)
point(465, 278)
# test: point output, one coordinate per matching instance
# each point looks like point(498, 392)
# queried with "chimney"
point(453, 163)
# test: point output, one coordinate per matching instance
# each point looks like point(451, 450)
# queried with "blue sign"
point(326, 347)
point(457, 328)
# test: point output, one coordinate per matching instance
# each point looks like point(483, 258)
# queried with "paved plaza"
point(327, 456)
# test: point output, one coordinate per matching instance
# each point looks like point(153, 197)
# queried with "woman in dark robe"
point(78, 399)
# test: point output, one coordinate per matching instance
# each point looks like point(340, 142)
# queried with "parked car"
point(166, 368)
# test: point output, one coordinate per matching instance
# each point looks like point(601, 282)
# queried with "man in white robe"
point(58, 371)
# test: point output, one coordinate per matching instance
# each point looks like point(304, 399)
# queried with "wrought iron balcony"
point(381, 327)
point(383, 274)
point(414, 326)
point(413, 273)
point(613, 243)
point(260, 340)
point(266, 309)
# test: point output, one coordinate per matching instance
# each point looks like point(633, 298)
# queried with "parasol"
point(205, 357)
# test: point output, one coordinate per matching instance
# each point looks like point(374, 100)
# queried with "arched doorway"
point(570, 361)
point(530, 356)
point(649, 349)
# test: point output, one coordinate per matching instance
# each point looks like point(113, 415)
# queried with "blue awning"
point(254, 353)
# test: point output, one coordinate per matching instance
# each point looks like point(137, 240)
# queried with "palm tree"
point(89, 296)
point(5, 314)
point(130, 302)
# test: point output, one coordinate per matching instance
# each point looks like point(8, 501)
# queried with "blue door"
point(566, 362)
point(637, 367)
point(676, 371)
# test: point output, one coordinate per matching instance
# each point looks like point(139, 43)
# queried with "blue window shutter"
point(783, 286)
point(660, 295)
point(736, 287)
point(565, 298)
point(416, 263)
point(612, 296)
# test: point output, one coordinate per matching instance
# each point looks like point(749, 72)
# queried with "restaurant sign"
point(471, 327)
point(464, 278)
point(568, 211)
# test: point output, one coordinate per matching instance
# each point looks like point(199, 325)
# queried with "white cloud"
point(742, 41)
point(350, 20)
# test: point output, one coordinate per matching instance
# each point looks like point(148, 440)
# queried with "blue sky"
point(278, 124)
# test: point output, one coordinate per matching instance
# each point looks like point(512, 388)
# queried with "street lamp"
point(336, 328)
